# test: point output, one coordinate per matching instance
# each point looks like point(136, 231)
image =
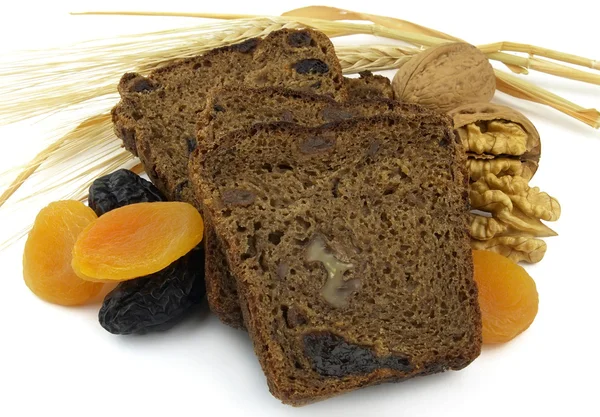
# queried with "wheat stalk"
point(539, 51)
point(55, 79)
point(327, 19)
point(94, 133)
point(315, 15)
point(516, 87)
point(91, 69)
point(355, 59)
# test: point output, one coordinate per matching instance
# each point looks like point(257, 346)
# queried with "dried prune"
point(311, 66)
point(119, 189)
point(157, 301)
point(136, 240)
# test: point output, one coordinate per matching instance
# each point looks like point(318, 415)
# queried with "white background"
point(59, 361)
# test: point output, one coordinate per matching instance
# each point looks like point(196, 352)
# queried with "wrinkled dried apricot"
point(508, 297)
point(136, 240)
point(47, 257)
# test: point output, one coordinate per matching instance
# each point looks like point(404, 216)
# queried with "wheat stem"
point(540, 51)
point(547, 67)
point(92, 128)
point(512, 85)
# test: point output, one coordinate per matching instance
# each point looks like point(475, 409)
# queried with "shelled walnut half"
point(498, 140)
point(513, 202)
point(517, 248)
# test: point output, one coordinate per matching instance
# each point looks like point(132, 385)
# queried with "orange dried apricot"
point(508, 297)
point(47, 256)
point(136, 240)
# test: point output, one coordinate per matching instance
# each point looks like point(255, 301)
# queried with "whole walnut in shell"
point(445, 77)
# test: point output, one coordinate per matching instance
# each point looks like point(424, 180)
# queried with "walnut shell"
point(445, 77)
point(480, 115)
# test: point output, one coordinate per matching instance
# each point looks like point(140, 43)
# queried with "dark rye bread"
point(369, 86)
point(157, 114)
point(238, 107)
point(350, 248)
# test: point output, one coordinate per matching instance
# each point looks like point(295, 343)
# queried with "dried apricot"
point(47, 257)
point(136, 240)
point(508, 297)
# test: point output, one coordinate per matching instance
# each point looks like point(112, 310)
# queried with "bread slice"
point(350, 248)
point(238, 107)
point(157, 114)
point(369, 86)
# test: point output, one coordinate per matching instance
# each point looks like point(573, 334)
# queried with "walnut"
point(499, 167)
point(517, 248)
point(483, 227)
point(490, 133)
point(445, 77)
point(503, 151)
point(511, 200)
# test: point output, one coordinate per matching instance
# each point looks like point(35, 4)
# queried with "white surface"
point(59, 361)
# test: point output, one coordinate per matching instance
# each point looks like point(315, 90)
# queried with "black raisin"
point(287, 116)
point(334, 114)
point(142, 85)
point(238, 197)
point(316, 144)
point(333, 356)
point(157, 301)
point(373, 148)
point(294, 316)
point(192, 144)
point(445, 142)
point(128, 137)
point(246, 46)
point(119, 189)
point(178, 191)
point(311, 66)
point(299, 38)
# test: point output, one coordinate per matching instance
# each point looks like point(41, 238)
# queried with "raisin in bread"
point(157, 114)
point(368, 85)
point(238, 107)
point(350, 248)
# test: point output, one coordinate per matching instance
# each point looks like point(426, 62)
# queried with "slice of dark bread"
point(238, 107)
point(157, 114)
point(350, 247)
point(369, 86)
